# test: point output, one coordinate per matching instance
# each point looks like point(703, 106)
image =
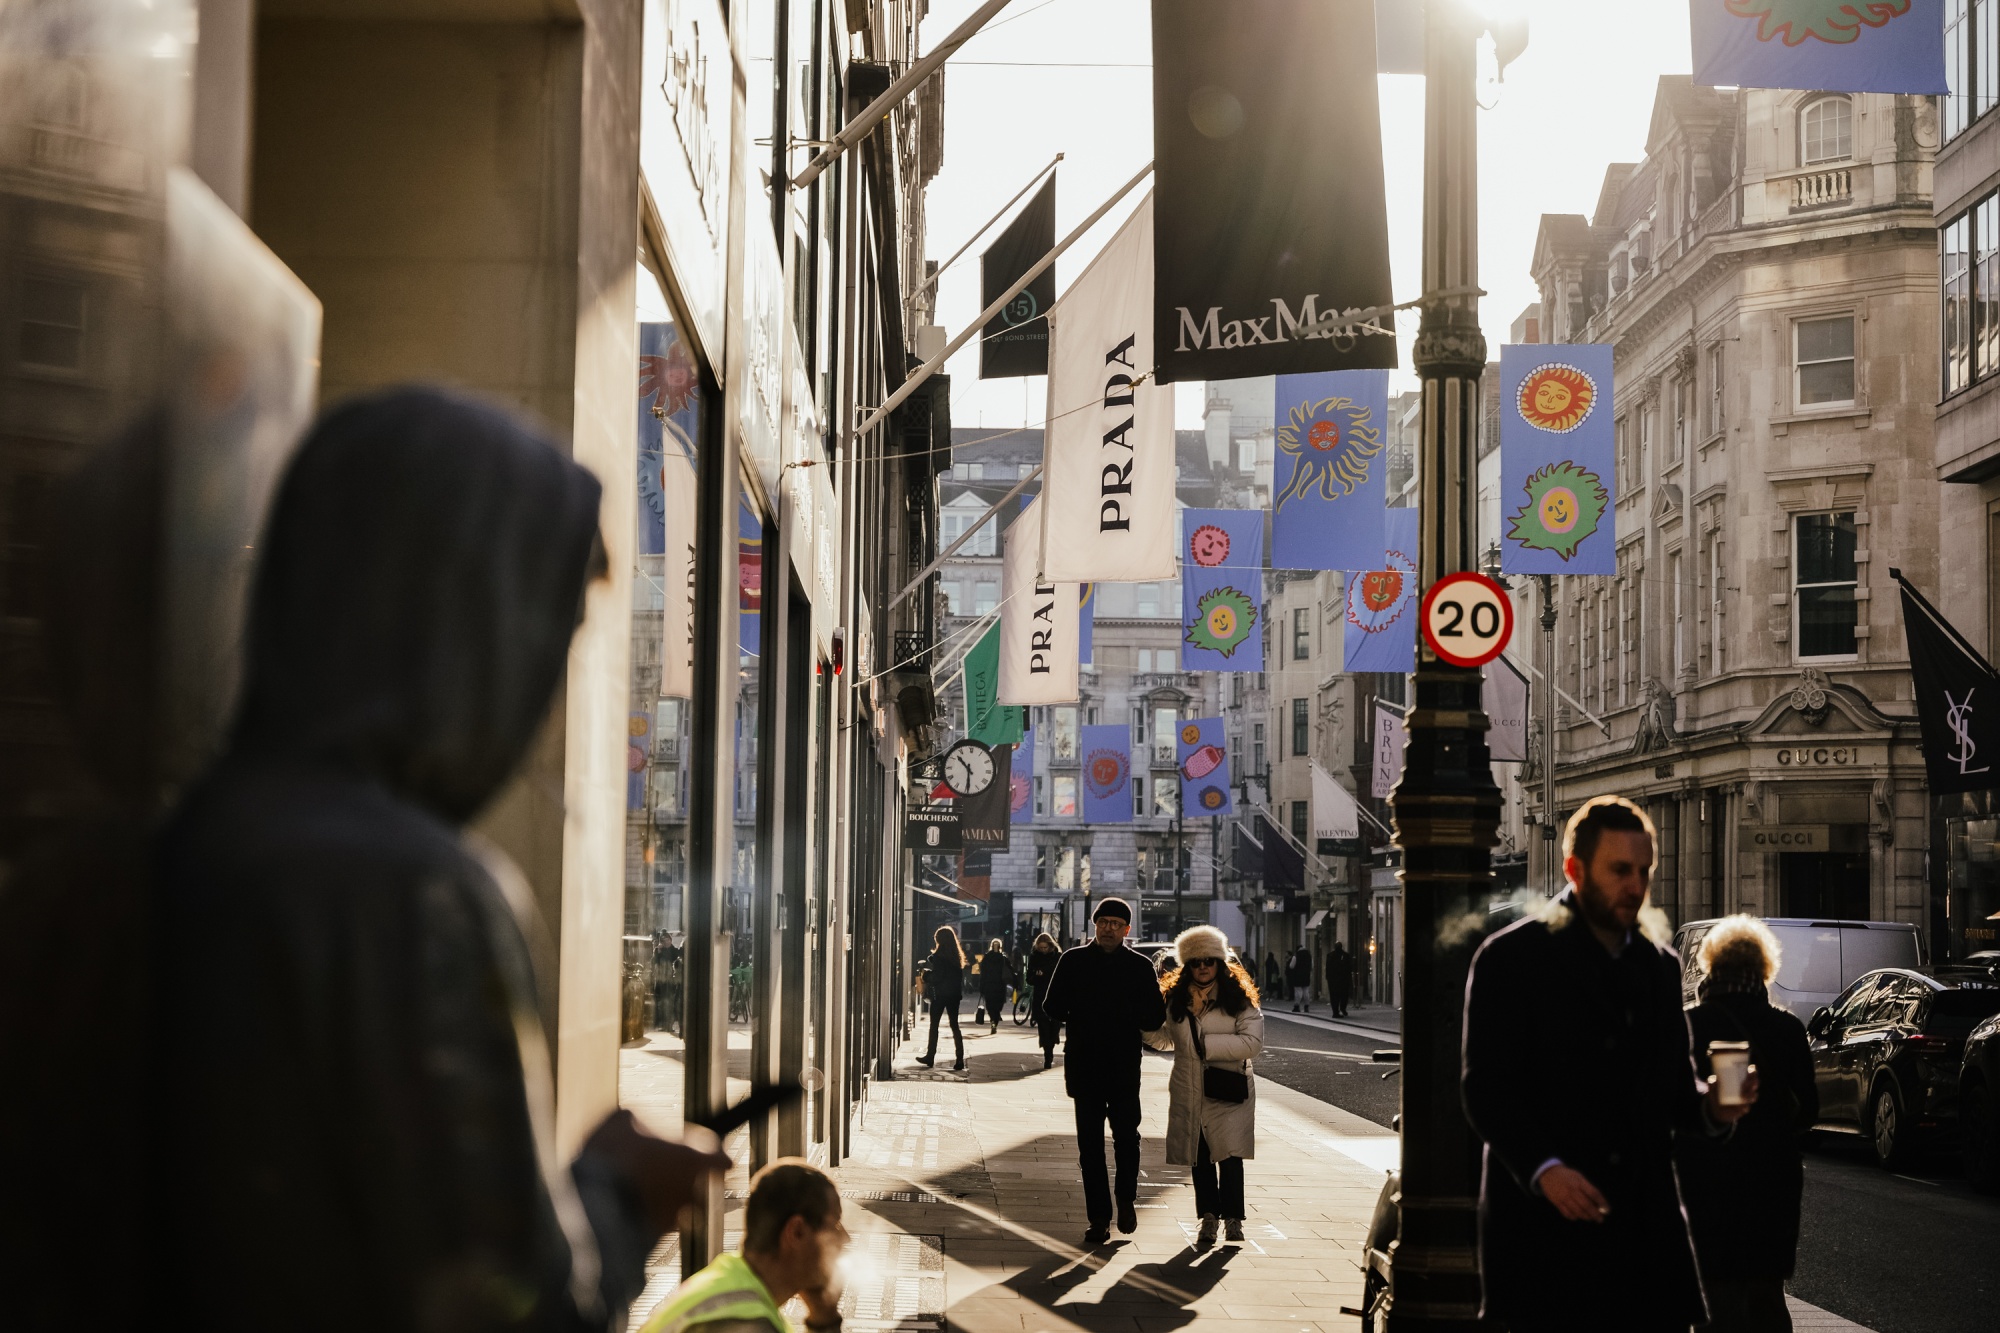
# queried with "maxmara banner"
point(1267, 151)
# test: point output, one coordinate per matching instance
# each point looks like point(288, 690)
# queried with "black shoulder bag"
point(1218, 1085)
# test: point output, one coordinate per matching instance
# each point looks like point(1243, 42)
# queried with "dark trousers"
point(1223, 1197)
point(1748, 1305)
point(1626, 1322)
point(940, 1007)
point(1121, 1107)
point(1049, 1031)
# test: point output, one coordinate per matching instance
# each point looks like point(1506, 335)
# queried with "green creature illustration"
point(1565, 505)
point(1836, 21)
point(1222, 620)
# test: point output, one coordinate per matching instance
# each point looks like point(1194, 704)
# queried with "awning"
point(1312, 922)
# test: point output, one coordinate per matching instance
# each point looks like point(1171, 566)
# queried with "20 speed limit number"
point(1467, 619)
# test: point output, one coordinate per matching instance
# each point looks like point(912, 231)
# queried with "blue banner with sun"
point(1107, 775)
point(1835, 46)
point(1557, 456)
point(1332, 468)
point(1381, 629)
point(1204, 766)
point(1222, 589)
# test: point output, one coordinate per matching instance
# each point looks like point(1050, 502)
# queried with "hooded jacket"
point(355, 1104)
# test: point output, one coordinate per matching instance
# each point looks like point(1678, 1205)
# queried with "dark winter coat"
point(1339, 973)
point(1570, 1053)
point(944, 977)
point(996, 974)
point(1743, 1192)
point(1108, 999)
point(1299, 971)
point(353, 1073)
point(1041, 967)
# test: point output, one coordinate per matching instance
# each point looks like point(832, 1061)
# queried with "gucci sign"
point(1819, 756)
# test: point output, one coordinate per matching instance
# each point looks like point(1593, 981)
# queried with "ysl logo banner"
point(1958, 698)
point(1958, 716)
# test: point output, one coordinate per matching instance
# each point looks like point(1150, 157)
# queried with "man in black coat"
point(1299, 977)
point(1106, 995)
point(1577, 1074)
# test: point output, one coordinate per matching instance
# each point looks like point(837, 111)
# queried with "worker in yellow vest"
point(792, 1242)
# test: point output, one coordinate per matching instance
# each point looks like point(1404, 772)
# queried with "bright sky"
point(1075, 77)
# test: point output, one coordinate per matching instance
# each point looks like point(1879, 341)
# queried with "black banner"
point(1269, 210)
point(986, 816)
point(1958, 699)
point(1016, 341)
point(931, 828)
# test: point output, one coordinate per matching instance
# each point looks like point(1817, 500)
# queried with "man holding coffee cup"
point(1577, 1072)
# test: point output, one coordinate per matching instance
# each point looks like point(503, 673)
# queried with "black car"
point(1979, 1106)
point(1887, 1054)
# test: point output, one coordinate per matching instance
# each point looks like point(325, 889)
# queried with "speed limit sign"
point(1467, 619)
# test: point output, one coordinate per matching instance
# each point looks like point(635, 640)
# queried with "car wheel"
point(1979, 1136)
point(1889, 1129)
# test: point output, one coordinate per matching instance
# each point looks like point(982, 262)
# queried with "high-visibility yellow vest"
point(725, 1290)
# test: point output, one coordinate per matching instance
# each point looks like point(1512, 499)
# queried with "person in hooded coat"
point(1212, 1021)
point(354, 1102)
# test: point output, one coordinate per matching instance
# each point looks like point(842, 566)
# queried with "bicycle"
point(1024, 1005)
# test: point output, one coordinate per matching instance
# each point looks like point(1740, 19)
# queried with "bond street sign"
point(1785, 837)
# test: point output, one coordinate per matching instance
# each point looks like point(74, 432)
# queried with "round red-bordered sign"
point(1467, 619)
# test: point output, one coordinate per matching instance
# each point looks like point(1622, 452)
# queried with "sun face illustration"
point(1222, 621)
point(1208, 546)
point(1212, 798)
point(1836, 21)
point(1565, 505)
point(1377, 598)
point(1333, 444)
point(1105, 772)
point(1190, 734)
point(1557, 398)
point(669, 380)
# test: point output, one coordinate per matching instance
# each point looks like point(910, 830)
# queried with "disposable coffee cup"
point(1731, 1062)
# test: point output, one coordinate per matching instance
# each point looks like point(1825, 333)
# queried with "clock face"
point(968, 769)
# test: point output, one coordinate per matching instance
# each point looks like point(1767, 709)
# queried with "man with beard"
point(1577, 1073)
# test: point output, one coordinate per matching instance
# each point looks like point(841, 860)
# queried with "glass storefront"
point(1972, 886)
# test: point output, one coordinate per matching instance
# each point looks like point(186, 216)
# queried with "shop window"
point(51, 327)
point(1826, 131)
point(1299, 727)
point(1823, 583)
point(1824, 361)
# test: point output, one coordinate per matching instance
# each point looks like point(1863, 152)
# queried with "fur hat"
point(1201, 942)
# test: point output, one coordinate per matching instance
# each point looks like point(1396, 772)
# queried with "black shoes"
point(1099, 1233)
point(960, 1066)
point(927, 1060)
point(1128, 1217)
point(1048, 1060)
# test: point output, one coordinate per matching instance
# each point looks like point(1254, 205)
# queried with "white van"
point(1817, 959)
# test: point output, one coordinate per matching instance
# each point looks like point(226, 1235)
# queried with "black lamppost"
point(1447, 807)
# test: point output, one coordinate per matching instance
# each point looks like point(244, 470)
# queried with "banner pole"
point(984, 227)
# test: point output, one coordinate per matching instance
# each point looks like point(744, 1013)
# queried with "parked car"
point(1979, 1106)
point(1818, 960)
point(1887, 1055)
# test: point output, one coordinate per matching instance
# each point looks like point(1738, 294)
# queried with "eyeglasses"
point(1205, 962)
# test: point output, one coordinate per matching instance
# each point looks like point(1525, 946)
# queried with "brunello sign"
point(1267, 152)
point(1785, 837)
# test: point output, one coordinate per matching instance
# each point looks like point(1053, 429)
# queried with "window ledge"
point(1860, 416)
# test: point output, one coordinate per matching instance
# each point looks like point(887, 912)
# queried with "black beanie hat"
point(1112, 907)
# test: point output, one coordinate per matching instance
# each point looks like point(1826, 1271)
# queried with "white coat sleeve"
point(1245, 1043)
point(1160, 1038)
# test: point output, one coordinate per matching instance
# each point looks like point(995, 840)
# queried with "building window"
point(1236, 691)
point(1301, 634)
point(1139, 797)
point(1986, 285)
point(1716, 652)
point(1041, 867)
point(1954, 240)
point(1826, 131)
point(1824, 361)
point(958, 518)
point(1683, 399)
point(1041, 799)
point(1065, 796)
point(1236, 747)
point(1645, 445)
point(1679, 612)
point(1062, 744)
point(1299, 817)
point(1166, 795)
point(1165, 723)
point(1298, 727)
point(985, 597)
point(953, 605)
point(1716, 417)
point(1823, 583)
point(1624, 639)
point(1149, 599)
point(1163, 660)
point(1972, 62)
point(51, 329)
point(1257, 747)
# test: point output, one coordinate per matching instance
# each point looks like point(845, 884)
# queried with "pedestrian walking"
point(1577, 1074)
point(1109, 998)
point(944, 987)
point(1215, 1029)
point(793, 1238)
point(349, 1073)
point(1299, 976)
point(1042, 960)
point(996, 975)
point(1274, 977)
point(1339, 979)
point(1743, 1192)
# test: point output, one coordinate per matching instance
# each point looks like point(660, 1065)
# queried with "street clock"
point(968, 768)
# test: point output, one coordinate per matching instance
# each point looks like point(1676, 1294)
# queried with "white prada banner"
point(1108, 447)
point(1038, 622)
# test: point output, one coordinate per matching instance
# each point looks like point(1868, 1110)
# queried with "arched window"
point(1826, 131)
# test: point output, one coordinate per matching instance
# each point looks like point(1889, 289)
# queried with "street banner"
point(1108, 448)
point(1331, 483)
point(638, 756)
point(749, 581)
point(1038, 622)
point(1838, 46)
point(1334, 812)
point(669, 424)
point(1381, 629)
point(1284, 864)
point(1204, 765)
point(986, 721)
point(1390, 737)
point(1558, 456)
point(1506, 700)
point(1246, 851)
point(975, 876)
point(1958, 700)
point(1015, 342)
point(1267, 150)
point(1222, 589)
point(985, 816)
point(1086, 620)
point(1021, 780)
point(931, 828)
point(1107, 775)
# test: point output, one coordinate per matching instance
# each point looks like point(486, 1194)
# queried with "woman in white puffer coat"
point(1212, 1011)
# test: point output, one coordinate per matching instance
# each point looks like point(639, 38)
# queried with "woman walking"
point(944, 984)
point(1215, 1029)
point(1042, 960)
point(1742, 1193)
point(996, 975)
